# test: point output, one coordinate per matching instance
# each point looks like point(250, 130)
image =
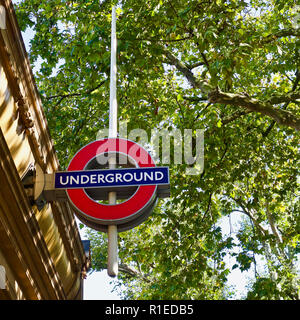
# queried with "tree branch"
point(208, 207)
point(282, 117)
point(235, 116)
point(126, 269)
point(180, 66)
point(266, 108)
point(272, 224)
point(133, 273)
point(195, 99)
point(156, 39)
point(281, 33)
point(247, 212)
point(195, 65)
point(74, 94)
point(295, 85)
point(288, 97)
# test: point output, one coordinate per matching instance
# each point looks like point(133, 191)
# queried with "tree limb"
point(266, 108)
point(195, 99)
point(247, 212)
point(288, 97)
point(156, 39)
point(281, 33)
point(74, 94)
point(180, 66)
point(272, 224)
point(282, 117)
point(126, 269)
point(132, 272)
point(208, 207)
point(295, 85)
point(195, 65)
point(235, 116)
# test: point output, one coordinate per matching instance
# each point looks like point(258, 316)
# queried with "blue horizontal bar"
point(112, 178)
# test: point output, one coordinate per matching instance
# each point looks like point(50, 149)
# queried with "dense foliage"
point(228, 67)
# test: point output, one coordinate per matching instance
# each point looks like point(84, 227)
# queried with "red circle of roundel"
point(118, 212)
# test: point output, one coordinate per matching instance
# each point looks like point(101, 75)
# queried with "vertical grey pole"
point(113, 106)
point(112, 263)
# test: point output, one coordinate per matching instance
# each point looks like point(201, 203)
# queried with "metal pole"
point(112, 263)
point(113, 106)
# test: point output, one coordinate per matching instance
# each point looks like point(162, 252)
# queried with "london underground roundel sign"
point(142, 183)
